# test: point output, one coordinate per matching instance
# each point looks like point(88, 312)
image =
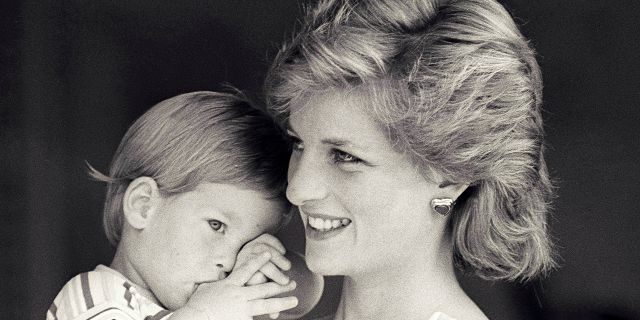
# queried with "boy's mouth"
point(222, 275)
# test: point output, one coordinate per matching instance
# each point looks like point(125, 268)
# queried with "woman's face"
point(364, 205)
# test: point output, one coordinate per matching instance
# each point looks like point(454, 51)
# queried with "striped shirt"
point(103, 294)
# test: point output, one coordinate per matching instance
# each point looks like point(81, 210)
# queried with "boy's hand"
point(273, 269)
point(230, 299)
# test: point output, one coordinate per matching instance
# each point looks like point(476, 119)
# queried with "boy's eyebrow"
point(229, 215)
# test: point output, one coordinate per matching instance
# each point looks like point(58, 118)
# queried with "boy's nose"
point(223, 274)
point(223, 271)
point(225, 261)
point(225, 267)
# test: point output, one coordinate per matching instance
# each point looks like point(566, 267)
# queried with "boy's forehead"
point(238, 202)
point(271, 222)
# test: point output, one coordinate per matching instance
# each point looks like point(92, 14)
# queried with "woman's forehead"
point(339, 119)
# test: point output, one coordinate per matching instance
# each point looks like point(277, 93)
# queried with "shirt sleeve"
point(94, 296)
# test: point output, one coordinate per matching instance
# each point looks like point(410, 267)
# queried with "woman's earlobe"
point(140, 201)
point(442, 205)
point(450, 193)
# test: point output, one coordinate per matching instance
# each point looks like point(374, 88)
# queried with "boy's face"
point(195, 237)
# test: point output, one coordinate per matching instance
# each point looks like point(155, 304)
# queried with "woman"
point(418, 146)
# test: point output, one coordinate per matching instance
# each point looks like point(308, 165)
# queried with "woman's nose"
point(306, 181)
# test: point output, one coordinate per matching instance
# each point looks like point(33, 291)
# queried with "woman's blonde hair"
point(194, 138)
point(458, 88)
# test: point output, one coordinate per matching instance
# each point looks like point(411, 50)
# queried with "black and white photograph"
point(320, 160)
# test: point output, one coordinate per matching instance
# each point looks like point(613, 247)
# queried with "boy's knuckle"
point(264, 236)
point(271, 286)
point(260, 246)
point(262, 304)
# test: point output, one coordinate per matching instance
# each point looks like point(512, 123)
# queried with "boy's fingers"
point(273, 305)
point(272, 242)
point(274, 315)
point(246, 270)
point(257, 278)
point(281, 261)
point(267, 290)
point(272, 272)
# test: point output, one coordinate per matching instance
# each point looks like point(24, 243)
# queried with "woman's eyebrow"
point(337, 142)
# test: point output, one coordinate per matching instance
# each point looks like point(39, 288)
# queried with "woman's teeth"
point(327, 224)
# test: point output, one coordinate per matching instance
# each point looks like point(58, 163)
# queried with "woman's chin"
point(323, 265)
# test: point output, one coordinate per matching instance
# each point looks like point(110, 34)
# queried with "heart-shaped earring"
point(442, 206)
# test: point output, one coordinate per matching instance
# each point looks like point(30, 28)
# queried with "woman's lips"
point(322, 224)
point(320, 227)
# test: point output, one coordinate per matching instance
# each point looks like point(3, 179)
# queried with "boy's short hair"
point(194, 138)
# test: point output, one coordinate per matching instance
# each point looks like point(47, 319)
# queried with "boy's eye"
point(217, 226)
point(343, 157)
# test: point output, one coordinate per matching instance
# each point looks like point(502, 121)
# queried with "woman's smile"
point(320, 227)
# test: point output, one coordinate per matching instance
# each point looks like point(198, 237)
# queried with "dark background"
point(75, 74)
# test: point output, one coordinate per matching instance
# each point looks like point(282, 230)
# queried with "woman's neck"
point(413, 289)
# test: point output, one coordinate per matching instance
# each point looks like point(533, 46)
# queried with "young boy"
point(196, 182)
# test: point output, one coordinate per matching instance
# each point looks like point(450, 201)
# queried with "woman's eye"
point(217, 226)
point(343, 157)
point(298, 146)
point(296, 143)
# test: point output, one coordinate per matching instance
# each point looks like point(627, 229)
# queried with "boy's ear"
point(141, 201)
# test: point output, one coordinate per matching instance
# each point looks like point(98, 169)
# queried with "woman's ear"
point(453, 190)
point(141, 201)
